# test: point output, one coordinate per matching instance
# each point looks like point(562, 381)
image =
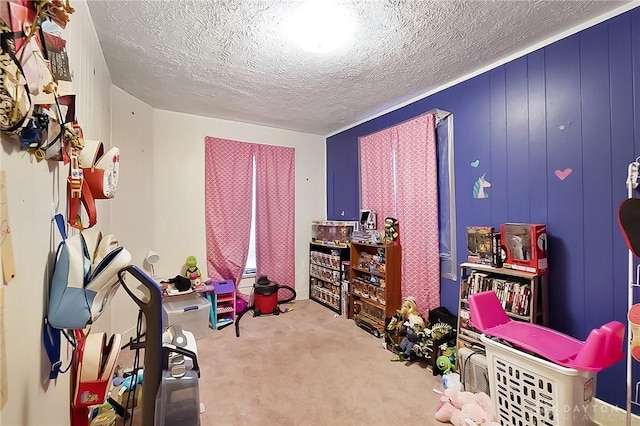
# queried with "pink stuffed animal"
point(465, 408)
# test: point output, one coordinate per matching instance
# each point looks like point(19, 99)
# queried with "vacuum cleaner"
point(265, 299)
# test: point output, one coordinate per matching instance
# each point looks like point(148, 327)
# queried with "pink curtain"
point(376, 174)
point(275, 213)
point(399, 179)
point(228, 189)
point(417, 203)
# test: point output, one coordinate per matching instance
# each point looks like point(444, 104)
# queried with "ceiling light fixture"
point(320, 26)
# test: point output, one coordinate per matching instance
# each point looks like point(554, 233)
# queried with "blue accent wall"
point(574, 104)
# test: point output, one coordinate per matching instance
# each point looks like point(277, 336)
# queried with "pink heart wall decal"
point(562, 174)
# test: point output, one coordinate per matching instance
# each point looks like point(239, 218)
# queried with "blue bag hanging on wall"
point(84, 280)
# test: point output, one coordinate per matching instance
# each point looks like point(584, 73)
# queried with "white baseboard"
point(606, 414)
point(246, 285)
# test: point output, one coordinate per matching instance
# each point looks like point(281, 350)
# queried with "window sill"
point(248, 275)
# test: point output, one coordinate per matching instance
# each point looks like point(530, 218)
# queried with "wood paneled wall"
point(554, 131)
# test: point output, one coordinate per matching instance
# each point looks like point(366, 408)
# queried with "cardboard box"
point(526, 246)
point(479, 244)
point(332, 233)
point(498, 253)
point(126, 399)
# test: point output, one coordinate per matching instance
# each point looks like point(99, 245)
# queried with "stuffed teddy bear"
point(465, 408)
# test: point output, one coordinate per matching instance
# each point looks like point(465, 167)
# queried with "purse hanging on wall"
point(93, 175)
point(29, 107)
point(16, 106)
point(64, 133)
point(79, 194)
point(95, 364)
point(100, 169)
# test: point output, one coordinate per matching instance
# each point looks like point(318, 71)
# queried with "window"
point(399, 171)
point(250, 267)
point(386, 173)
point(245, 181)
point(446, 195)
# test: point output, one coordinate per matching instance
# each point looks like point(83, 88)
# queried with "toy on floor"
point(434, 340)
point(446, 362)
point(131, 381)
point(288, 309)
point(193, 272)
point(409, 323)
point(451, 380)
point(465, 408)
point(602, 349)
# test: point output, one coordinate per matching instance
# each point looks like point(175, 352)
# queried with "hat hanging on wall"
point(151, 258)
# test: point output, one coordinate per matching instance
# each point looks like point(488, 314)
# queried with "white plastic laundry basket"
point(531, 391)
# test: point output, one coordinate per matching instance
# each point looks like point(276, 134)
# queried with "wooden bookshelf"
point(524, 296)
point(375, 281)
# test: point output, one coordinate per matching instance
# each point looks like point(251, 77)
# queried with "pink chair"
point(602, 349)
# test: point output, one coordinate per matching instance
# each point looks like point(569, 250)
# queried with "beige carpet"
point(307, 367)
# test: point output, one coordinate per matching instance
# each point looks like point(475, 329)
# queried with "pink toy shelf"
point(602, 349)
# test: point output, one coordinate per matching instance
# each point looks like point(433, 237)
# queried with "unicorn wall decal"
point(479, 186)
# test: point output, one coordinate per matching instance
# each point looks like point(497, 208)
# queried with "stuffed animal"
point(465, 408)
point(444, 364)
point(193, 272)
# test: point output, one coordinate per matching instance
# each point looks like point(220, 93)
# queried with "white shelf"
point(503, 271)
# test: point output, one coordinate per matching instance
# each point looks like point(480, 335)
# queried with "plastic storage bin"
point(527, 390)
point(191, 313)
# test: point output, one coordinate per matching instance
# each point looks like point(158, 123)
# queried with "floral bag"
point(15, 103)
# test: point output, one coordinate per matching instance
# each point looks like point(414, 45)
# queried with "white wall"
point(34, 189)
point(179, 186)
point(159, 205)
point(132, 209)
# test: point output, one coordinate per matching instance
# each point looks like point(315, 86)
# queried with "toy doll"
point(410, 323)
point(193, 272)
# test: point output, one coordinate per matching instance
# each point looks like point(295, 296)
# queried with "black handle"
point(152, 311)
point(293, 292)
point(168, 349)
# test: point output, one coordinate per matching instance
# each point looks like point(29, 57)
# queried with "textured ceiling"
point(231, 59)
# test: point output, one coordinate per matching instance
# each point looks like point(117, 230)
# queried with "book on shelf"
point(466, 328)
point(514, 295)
